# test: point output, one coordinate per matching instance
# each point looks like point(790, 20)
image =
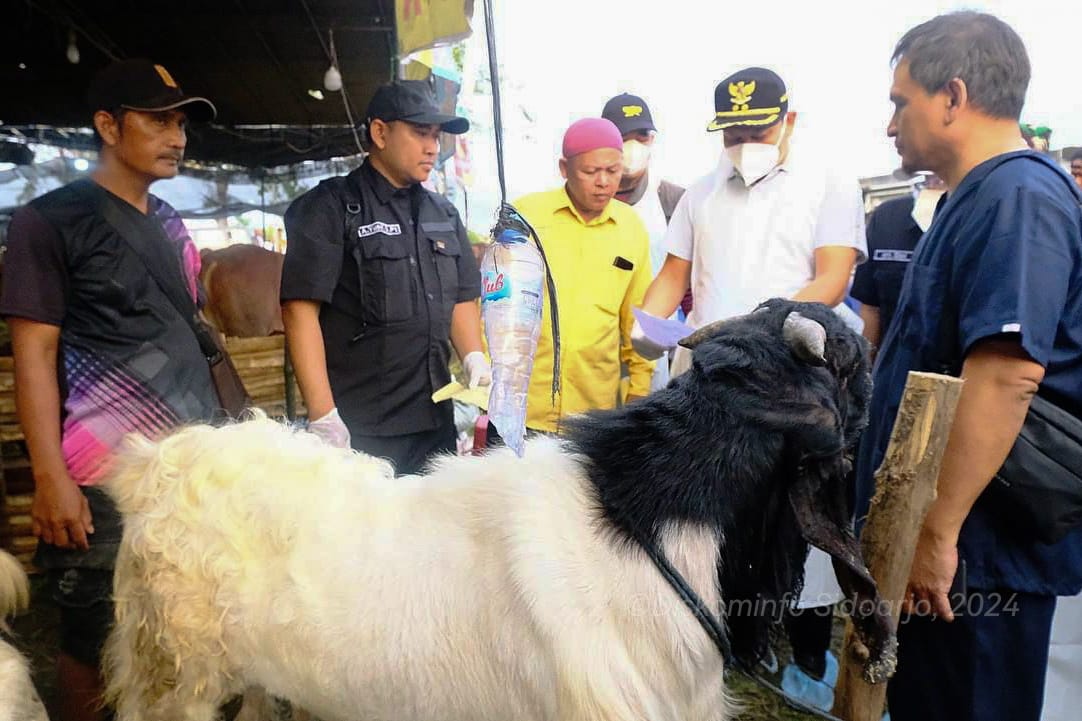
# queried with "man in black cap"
point(378, 276)
point(767, 222)
point(653, 198)
point(101, 348)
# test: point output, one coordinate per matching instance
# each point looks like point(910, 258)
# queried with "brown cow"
point(242, 284)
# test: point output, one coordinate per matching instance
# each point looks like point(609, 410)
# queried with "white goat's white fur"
point(488, 590)
point(19, 700)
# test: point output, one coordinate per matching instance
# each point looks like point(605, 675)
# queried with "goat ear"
point(806, 337)
point(818, 503)
point(702, 334)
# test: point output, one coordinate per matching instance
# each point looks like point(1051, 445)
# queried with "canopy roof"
point(256, 60)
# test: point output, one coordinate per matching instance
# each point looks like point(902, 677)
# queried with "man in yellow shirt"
point(599, 257)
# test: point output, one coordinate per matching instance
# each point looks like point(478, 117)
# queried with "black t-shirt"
point(892, 235)
point(388, 264)
point(129, 360)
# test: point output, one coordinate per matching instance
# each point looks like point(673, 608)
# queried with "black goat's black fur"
point(722, 445)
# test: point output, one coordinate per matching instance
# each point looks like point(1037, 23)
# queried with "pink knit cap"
point(590, 134)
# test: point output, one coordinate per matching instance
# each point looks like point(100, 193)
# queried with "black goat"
point(753, 443)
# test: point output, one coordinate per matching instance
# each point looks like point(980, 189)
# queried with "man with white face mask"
point(653, 199)
point(893, 231)
point(767, 222)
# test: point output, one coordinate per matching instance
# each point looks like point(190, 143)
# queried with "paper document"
point(478, 396)
point(666, 333)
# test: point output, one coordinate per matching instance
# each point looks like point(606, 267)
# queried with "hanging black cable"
point(509, 217)
point(497, 115)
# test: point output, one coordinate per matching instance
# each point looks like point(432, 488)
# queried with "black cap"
point(629, 113)
point(415, 102)
point(754, 97)
point(141, 85)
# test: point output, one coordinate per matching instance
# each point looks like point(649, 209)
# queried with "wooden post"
point(905, 488)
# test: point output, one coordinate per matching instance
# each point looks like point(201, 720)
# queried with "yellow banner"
point(426, 23)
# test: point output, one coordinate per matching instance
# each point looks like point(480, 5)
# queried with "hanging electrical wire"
point(345, 99)
point(509, 218)
point(330, 81)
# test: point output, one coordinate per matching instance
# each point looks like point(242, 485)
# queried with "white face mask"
point(754, 160)
point(924, 207)
point(636, 157)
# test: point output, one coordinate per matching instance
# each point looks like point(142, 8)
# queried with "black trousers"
point(809, 632)
point(987, 665)
point(409, 453)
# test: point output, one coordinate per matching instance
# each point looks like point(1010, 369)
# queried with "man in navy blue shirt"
point(999, 272)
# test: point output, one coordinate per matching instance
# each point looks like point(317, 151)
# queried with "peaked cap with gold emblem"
point(145, 87)
point(753, 97)
point(629, 113)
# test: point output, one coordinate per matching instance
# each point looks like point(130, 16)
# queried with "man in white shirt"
point(653, 199)
point(767, 222)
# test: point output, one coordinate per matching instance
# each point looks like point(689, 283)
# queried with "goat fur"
point(491, 588)
point(19, 700)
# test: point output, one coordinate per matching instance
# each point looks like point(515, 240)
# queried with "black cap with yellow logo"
point(146, 87)
point(754, 97)
point(629, 113)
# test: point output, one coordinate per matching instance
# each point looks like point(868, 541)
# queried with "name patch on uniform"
point(372, 228)
point(901, 256)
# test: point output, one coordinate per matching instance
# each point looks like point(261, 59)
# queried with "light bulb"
point(73, 49)
point(81, 164)
point(332, 79)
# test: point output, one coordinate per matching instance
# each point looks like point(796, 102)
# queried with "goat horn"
point(807, 338)
point(701, 334)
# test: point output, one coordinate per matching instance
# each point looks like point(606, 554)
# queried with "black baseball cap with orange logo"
point(754, 97)
point(143, 86)
point(629, 113)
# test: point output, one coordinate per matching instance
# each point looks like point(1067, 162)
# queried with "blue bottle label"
point(495, 286)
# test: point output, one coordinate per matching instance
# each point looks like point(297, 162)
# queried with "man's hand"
point(331, 429)
point(477, 369)
point(60, 514)
point(645, 347)
point(935, 562)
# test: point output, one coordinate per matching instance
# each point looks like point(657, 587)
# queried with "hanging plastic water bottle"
point(513, 277)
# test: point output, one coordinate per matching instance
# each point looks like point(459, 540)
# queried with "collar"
point(565, 202)
point(382, 187)
point(981, 171)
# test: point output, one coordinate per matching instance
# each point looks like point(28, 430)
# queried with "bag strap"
point(156, 263)
point(669, 194)
point(351, 200)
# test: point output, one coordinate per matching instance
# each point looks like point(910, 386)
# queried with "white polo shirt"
point(750, 244)
point(653, 217)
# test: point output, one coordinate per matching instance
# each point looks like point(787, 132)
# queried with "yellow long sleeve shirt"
point(601, 269)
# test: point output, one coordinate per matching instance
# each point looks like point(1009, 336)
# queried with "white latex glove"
point(645, 347)
point(477, 369)
point(331, 429)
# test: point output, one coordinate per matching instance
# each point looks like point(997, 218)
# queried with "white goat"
point(490, 589)
point(484, 590)
point(19, 700)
